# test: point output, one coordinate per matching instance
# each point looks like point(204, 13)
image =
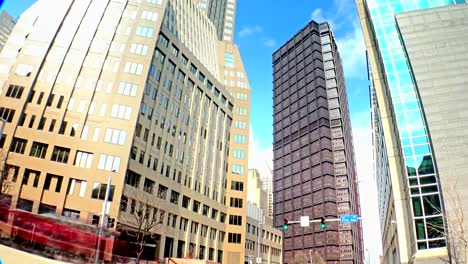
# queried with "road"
point(13, 256)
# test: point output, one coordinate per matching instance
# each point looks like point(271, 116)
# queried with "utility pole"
point(101, 224)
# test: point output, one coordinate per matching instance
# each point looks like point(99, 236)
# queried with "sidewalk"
point(13, 256)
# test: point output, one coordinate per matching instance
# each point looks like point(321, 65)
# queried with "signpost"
point(305, 221)
point(344, 219)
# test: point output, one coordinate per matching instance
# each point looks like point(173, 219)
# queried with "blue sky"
point(262, 26)
point(260, 33)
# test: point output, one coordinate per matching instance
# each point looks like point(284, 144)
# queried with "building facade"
point(237, 84)
point(7, 23)
point(262, 238)
point(314, 168)
point(223, 15)
point(129, 90)
point(420, 124)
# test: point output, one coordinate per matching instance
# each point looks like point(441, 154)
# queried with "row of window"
point(133, 179)
point(160, 56)
point(54, 182)
point(61, 154)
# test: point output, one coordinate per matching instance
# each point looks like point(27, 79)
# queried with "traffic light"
point(323, 225)
point(285, 224)
point(110, 222)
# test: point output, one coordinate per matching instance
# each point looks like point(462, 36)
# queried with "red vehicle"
point(55, 234)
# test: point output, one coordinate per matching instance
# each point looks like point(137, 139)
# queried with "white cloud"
point(249, 30)
point(351, 45)
point(269, 42)
point(353, 53)
point(362, 139)
point(260, 159)
point(317, 16)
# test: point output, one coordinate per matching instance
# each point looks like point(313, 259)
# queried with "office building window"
point(14, 91)
point(139, 49)
point(126, 88)
point(237, 169)
point(144, 32)
point(240, 124)
point(239, 139)
point(234, 238)
point(174, 197)
point(7, 114)
point(238, 154)
point(236, 202)
point(109, 163)
point(99, 191)
point(38, 150)
point(60, 154)
point(115, 136)
point(147, 15)
point(237, 186)
point(121, 111)
point(162, 192)
point(228, 59)
point(18, 145)
point(163, 40)
point(133, 68)
point(235, 220)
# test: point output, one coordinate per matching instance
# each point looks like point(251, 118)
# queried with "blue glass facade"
point(419, 162)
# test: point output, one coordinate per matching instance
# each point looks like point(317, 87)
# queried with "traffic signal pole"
point(318, 220)
point(101, 224)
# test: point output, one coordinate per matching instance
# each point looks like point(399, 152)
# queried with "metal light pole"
point(101, 225)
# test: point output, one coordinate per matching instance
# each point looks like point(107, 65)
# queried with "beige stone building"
point(236, 82)
point(262, 239)
point(139, 91)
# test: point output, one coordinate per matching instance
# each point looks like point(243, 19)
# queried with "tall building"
point(314, 167)
point(7, 23)
point(223, 15)
point(267, 179)
point(417, 57)
point(262, 238)
point(236, 83)
point(144, 93)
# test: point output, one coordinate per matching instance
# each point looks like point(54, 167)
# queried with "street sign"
point(344, 219)
point(305, 221)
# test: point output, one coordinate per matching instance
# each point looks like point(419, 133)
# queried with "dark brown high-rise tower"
point(314, 168)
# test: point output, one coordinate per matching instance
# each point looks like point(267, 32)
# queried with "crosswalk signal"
point(110, 222)
point(323, 225)
point(285, 224)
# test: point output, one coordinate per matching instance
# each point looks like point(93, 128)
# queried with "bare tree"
point(143, 220)
point(6, 185)
point(455, 229)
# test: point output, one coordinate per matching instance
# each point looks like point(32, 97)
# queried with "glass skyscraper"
point(407, 134)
